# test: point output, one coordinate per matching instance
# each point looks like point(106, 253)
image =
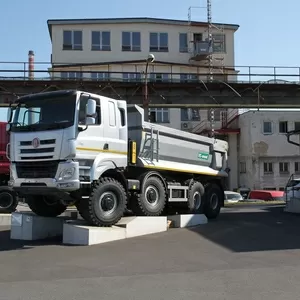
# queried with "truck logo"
point(35, 143)
point(203, 155)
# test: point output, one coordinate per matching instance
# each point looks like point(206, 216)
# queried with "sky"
point(268, 33)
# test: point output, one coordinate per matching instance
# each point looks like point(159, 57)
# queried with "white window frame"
point(101, 45)
point(263, 128)
point(161, 111)
point(74, 46)
point(133, 48)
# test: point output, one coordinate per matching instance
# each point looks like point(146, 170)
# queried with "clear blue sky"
point(268, 34)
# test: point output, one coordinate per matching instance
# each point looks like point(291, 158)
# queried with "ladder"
point(150, 149)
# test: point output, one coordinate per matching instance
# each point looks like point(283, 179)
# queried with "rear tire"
point(195, 198)
point(45, 206)
point(8, 200)
point(214, 197)
point(106, 205)
point(152, 199)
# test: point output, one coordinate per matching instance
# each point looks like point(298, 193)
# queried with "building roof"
point(133, 20)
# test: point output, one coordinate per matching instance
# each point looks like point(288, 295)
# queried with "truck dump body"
point(164, 148)
point(4, 139)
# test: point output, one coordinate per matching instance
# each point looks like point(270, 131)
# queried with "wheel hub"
point(151, 195)
point(6, 200)
point(108, 202)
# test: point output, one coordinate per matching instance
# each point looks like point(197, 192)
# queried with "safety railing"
point(239, 74)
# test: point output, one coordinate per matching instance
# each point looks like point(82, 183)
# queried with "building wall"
point(173, 55)
point(258, 147)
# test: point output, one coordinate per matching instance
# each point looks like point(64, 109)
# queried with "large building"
point(266, 159)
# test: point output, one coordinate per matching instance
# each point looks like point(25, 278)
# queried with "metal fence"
point(246, 74)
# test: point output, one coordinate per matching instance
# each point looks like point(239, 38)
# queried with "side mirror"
point(90, 109)
point(8, 126)
point(90, 121)
point(9, 114)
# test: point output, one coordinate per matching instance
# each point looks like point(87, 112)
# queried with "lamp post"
point(149, 60)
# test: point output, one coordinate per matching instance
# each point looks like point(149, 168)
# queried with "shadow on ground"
point(266, 229)
point(6, 244)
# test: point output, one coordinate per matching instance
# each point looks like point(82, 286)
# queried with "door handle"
point(105, 147)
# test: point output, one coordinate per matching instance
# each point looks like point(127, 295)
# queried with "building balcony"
point(201, 51)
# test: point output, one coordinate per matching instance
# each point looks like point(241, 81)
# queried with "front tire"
point(8, 200)
point(106, 204)
point(45, 206)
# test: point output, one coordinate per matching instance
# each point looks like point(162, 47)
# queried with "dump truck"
point(8, 198)
point(97, 153)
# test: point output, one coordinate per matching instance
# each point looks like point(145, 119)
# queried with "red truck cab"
point(8, 198)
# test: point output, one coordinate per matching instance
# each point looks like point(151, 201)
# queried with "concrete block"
point(5, 219)
point(137, 226)
point(78, 233)
point(181, 221)
point(28, 226)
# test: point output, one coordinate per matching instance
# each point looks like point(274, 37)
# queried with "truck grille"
point(45, 150)
point(37, 170)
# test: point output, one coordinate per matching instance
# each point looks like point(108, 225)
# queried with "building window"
point(297, 126)
point(243, 167)
point(217, 114)
point(190, 114)
point(160, 115)
point(297, 167)
point(132, 77)
point(159, 77)
point(71, 75)
point(158, 42)
point(131, 41)
point(72, 40)
point(283, 127)
point(268, 167)
point(101, 40)
point(219, 43)
point(100, 76)
point(283, 167)
point(188, 77)
point(183, 42)
point(267, 127)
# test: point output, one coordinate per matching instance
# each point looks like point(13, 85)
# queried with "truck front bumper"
point(66, 180)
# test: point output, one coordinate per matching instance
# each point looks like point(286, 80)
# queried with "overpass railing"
point(135, 73)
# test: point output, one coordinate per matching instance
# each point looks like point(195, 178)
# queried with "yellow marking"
point(101, 150)
point(133, 152)
point(183, 171)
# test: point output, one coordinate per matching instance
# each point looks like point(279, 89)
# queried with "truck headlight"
point(67, 173)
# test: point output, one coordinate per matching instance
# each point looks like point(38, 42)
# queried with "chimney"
point(30, 65)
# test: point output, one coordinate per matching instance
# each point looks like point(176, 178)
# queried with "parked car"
point(232, 197)
point(292, 189)
point(266, 195)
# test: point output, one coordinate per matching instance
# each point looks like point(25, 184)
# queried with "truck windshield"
point(44, 114)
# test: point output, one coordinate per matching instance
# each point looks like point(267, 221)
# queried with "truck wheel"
point(195, 201)
point(152, 200)
point(45, 206)
point(8, 200)
point(106, 204)
point(213, 200)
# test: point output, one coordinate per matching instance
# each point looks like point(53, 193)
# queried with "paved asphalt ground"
point(250, 252)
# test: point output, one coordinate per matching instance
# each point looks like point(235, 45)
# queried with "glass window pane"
point(184, 114)
point(77, 37)
point(106, 38)
point(163, 40)
point(153, 39)
point(183, 44)
point(126, 38)
point(95, 38)
point(165, 116)
point(136, 39)
point(67, 35)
